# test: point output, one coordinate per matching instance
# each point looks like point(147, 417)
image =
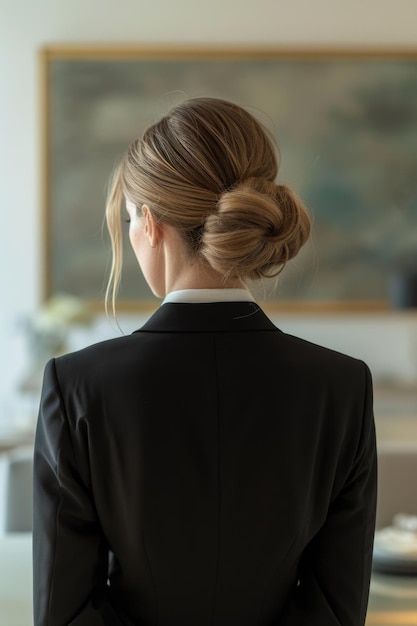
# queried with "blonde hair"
point(208, 169)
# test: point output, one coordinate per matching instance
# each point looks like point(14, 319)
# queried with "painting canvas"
point(346, 126)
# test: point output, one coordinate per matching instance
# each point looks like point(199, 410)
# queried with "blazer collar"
point(208, 317)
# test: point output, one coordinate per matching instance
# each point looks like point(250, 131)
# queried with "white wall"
point(25, 26)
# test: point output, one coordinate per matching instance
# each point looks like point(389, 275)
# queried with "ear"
point(153, 228)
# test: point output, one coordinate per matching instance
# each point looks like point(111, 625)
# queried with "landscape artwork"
point(345, 124)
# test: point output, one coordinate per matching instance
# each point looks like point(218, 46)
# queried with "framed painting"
point(345, 123)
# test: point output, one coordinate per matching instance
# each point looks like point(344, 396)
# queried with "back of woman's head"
point(208, 169)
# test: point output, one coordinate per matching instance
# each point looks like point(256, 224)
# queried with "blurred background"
point(31, 331)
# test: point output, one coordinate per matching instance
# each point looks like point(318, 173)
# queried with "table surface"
point(12, 439)
point(393, 599)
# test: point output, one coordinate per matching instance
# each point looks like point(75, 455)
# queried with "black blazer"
point(206, 470)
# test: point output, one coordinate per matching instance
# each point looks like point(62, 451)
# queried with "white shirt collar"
point(208, 295)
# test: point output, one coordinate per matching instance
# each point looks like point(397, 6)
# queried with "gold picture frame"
point(346, 124)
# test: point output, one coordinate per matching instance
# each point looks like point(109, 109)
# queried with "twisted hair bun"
point(257, 228)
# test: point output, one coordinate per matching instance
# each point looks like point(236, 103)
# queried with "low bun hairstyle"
point(257, 228)
point(208, 168)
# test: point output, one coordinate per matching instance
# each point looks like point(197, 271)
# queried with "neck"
point(197, 275)
point(182, 271)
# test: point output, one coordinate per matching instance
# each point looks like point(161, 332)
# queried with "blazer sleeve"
point(70, 552)
point(335, 569)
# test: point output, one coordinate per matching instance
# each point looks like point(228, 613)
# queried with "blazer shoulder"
point(325, 359)
point(96, 350)
point(99, 358)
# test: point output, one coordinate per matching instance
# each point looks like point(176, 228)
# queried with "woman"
point(208, 469)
